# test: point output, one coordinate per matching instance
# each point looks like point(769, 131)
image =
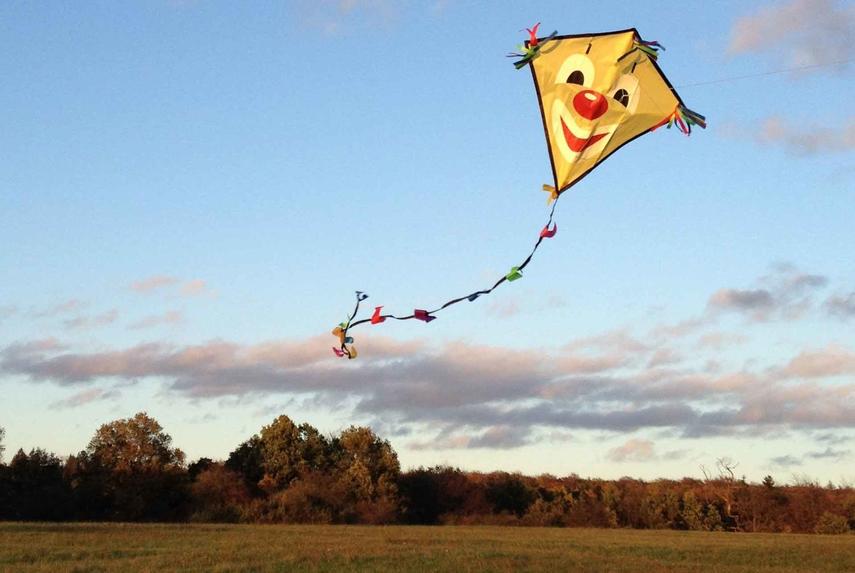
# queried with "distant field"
point(133, 547)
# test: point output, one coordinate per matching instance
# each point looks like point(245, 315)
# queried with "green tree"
point(368, 470)
point(248, 461)
point(34, 487)
point(289, 451)
point(692, 512)
point(509, 493)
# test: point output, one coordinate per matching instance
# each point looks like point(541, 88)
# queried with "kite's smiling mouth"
point(579, 144)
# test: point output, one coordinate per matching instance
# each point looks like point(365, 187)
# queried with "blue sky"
point(192, 191)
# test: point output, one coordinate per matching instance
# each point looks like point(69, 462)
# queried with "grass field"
point(133, 547)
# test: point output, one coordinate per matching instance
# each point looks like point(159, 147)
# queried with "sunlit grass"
point(157, 547)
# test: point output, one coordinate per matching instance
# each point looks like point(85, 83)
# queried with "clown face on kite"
point(597, 92)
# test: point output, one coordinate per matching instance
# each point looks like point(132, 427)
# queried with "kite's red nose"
point(590, 104)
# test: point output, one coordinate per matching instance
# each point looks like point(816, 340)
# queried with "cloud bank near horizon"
point(670, 378)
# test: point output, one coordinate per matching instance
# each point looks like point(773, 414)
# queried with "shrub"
point(832, 524)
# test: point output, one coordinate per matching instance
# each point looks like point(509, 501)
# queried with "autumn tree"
point(218, 494)
point(724, 487)
point(135, 469)
point(199, 466)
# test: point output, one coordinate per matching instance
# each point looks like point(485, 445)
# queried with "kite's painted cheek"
point(578, 134)
point(579, 144)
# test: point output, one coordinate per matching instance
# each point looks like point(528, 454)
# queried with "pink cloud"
point(169, 318)
point(830, 361)
point(195, 287)
point(634, 450)
point(153, 283)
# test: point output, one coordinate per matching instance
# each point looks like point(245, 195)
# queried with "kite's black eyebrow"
point(589, 47)
point(626, 54)
point(632, 71)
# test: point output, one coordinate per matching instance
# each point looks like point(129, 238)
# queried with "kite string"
point(470, 297)
point(762, 74)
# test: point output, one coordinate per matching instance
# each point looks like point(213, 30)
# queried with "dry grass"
point(140, 547)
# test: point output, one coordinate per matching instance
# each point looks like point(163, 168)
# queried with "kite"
point(597, 92)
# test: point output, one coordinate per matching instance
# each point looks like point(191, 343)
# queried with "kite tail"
point(346, 347)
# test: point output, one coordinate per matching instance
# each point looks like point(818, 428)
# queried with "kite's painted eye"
point(622, 97)
point(577, 77)
point(626, 92)
point(578, 70)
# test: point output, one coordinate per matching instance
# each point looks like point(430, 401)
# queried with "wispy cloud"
point(193, 287)
point(509, 307)
point(334, 16)
point(634, 450)
point(829, 454)
point(787, 461)
point(641, 450)
point(799, 140)
point(64, 307)
point(340, 16)
point(8, 311)
point(720, 340)
point(84, 397)
point(832, 439)
point(841, 305)
point(153, 283)
point(505, 308)
point(499, 437)
point(785, 293)
point(806, 32)
point(169, 318)
point(97, 320)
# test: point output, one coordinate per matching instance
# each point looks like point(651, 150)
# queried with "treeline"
point(291, 473)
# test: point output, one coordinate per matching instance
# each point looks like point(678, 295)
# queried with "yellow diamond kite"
point(598, 92)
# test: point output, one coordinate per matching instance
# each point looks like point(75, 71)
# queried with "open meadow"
point(48, 547)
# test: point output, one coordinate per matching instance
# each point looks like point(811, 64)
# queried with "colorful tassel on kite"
point(340, 332)
point(684, 119)
point(553, 193)
point(514, 274)
point(649, 48)
point(531, 49)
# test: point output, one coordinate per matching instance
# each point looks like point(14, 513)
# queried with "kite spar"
point(596, 92)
